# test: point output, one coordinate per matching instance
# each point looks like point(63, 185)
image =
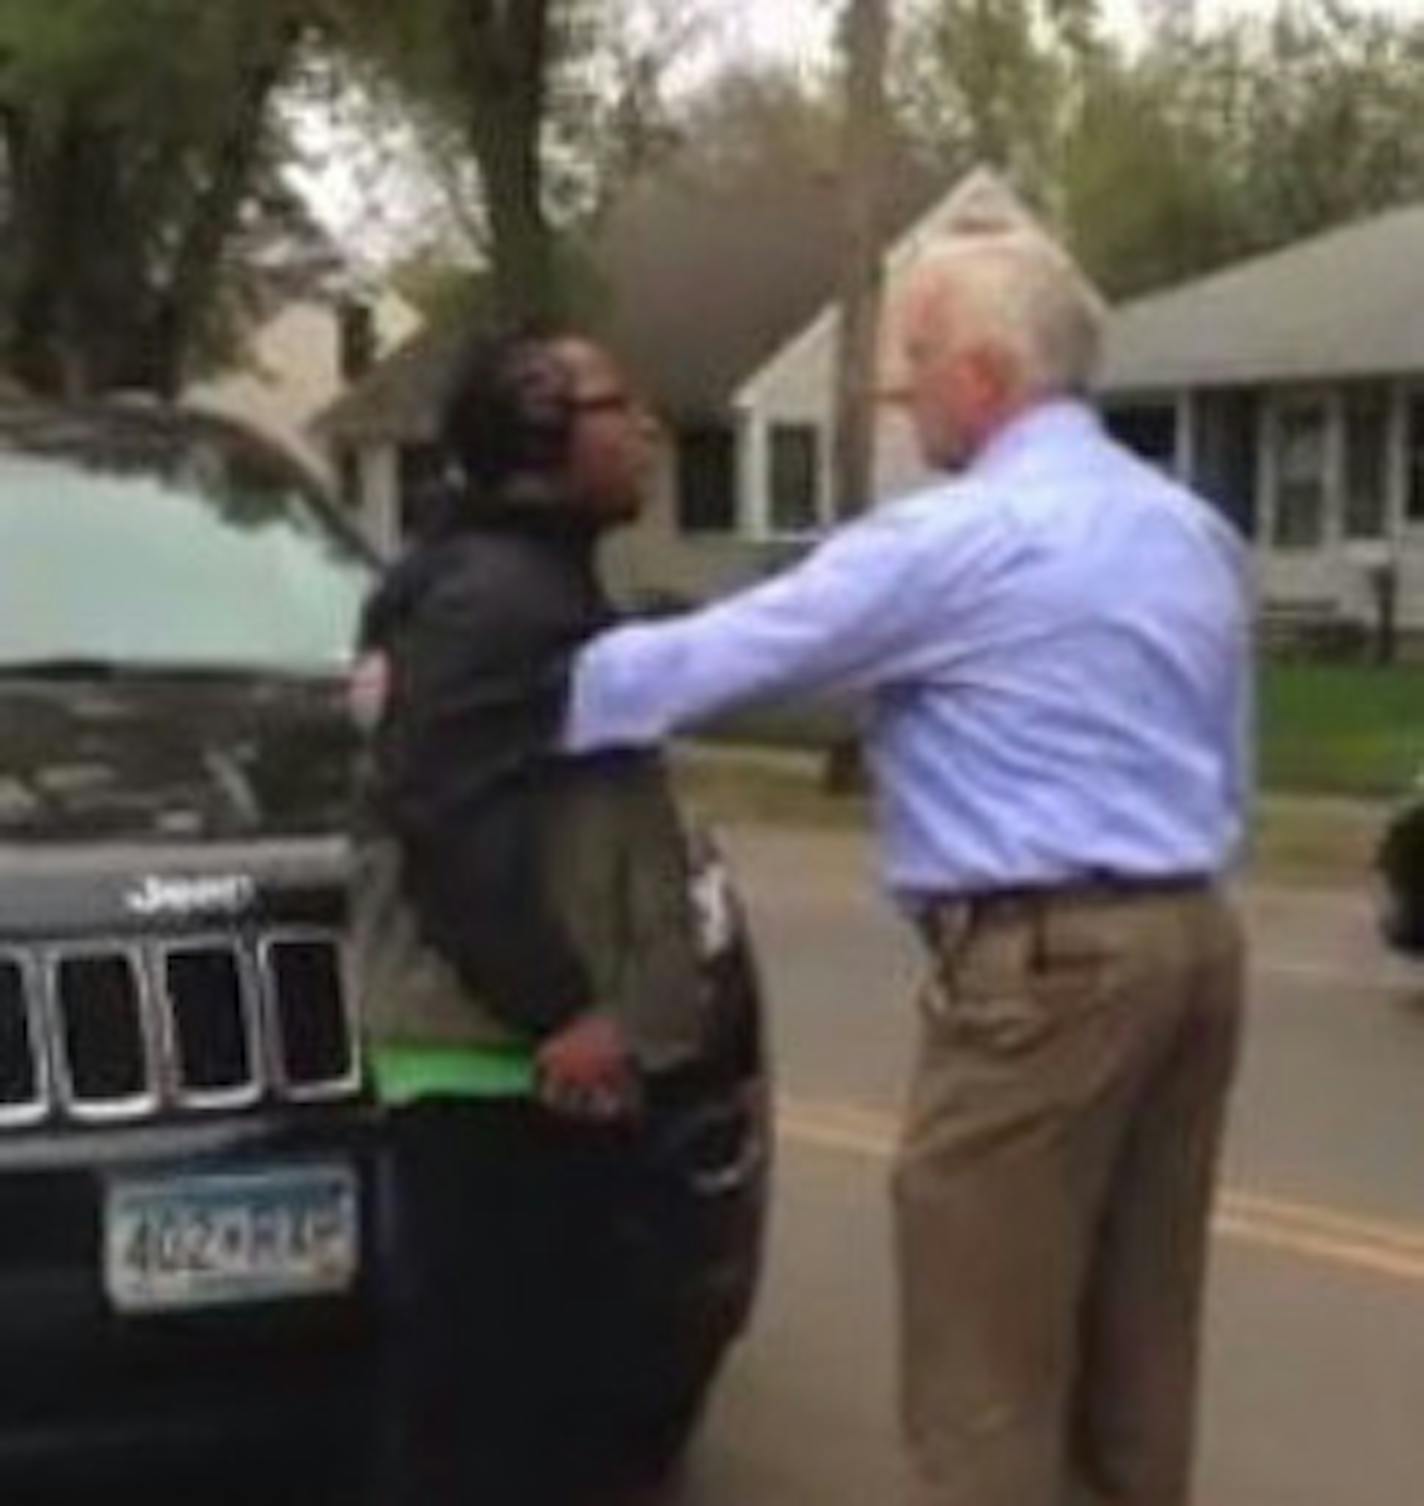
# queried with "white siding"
point(377, 509)
point(798, 386)
point(655, 558)
point(799, 390)
point(294, 372)
point(1338, 574)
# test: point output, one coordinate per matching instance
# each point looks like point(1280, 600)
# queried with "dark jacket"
point(546, 885)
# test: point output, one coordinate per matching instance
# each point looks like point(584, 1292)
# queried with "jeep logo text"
point(191, 896)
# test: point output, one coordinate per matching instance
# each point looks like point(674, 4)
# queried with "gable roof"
point(705, 285)
point(981, 203)
point(1346, 303)
point(399, 400)
point(698, 284)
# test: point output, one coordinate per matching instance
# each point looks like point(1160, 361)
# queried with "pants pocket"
point(982, 995)
point(1016, 977)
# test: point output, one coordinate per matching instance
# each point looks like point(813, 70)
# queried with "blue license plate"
point(279, 1233)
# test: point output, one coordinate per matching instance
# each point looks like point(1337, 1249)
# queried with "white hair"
point(1014, 291)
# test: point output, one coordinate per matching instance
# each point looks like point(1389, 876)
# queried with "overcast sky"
point(793, 27)
point(385, 216)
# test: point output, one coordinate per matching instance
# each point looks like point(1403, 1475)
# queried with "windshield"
point(196, 552)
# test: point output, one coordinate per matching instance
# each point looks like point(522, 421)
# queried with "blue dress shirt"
point(1053, 650)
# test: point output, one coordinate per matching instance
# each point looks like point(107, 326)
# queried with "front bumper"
point(647, 1246)
point(90, 1394)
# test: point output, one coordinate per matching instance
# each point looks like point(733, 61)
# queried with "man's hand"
point(586, 1071)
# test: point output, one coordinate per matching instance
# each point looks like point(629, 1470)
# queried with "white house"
point(301, 358)
point(1288, 389)
point(701, 285)
point(785, 408)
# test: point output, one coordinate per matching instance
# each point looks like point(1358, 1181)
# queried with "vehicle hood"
point(172, 759)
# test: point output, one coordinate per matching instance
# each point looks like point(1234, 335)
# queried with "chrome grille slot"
point(22, 1078)
point(310, 1012)
point(102, 1034)
point(211, 1023)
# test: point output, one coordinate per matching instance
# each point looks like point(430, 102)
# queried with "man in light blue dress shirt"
point(1052, 646)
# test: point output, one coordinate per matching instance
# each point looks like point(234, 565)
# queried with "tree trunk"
point(522, 269)
point(509, 58)
point(867, 40)
point(197, 268)
point(52, 189)
point(866, 130)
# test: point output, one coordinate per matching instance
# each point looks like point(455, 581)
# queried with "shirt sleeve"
point(843, 622)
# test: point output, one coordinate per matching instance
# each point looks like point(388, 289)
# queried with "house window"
point(1302, 431)
point(421, 491)
point(1226, 453)
point(355, 339)
point(348, 475)
point(706, 481)
point(795, 476)
point(1414, 498)
point(1366, 421)
point(1148, 430)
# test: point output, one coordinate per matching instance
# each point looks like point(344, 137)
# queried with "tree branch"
point(197, 267)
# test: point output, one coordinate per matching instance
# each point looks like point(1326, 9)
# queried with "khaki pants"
point(1053, 1194)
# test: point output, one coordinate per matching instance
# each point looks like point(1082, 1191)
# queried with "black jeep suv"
point(199, 1167)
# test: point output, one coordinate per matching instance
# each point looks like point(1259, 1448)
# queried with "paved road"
point(1315, 1371)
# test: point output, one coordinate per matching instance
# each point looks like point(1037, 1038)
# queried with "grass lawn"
point(1297, 840)
point(1348, 731)
point(1341, 729)
point(1324, 729)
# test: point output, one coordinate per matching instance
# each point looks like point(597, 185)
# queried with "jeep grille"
point(118, 1032)
point(312, 1031)
point(22, 1087)
point(211, 1004)
point(106, 1066)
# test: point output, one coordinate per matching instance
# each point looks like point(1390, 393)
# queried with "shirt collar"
point(1058, 422)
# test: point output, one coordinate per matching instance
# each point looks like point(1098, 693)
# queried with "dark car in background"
point(200, 1151)
point(1399, 873)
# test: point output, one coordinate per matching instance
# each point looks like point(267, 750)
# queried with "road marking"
point(1330, 1236)
point(1361, 980)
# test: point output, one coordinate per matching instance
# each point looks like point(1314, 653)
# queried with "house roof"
point(399, 401)
point(705, 285)
point(1346, 303)
point(699, 284)
point(980, 203)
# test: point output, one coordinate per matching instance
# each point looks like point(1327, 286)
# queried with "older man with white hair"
point(1052, 640)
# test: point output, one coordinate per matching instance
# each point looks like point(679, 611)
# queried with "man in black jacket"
point(511, 897)
point(549, 450)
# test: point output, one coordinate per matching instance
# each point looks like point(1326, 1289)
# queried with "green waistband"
point(406, 1073)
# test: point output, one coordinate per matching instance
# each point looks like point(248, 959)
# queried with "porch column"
point(378, 483)
point(1266, 475)
point(753, 503)
point(1184, 460)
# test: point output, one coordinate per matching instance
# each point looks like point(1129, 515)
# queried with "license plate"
point(208, 1241)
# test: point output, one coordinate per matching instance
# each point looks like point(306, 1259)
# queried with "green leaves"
point(139, 143)
point(1207, 143)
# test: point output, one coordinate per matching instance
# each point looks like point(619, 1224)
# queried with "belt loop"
point(1040, 909)
point(949, 925)
point(946, 926)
